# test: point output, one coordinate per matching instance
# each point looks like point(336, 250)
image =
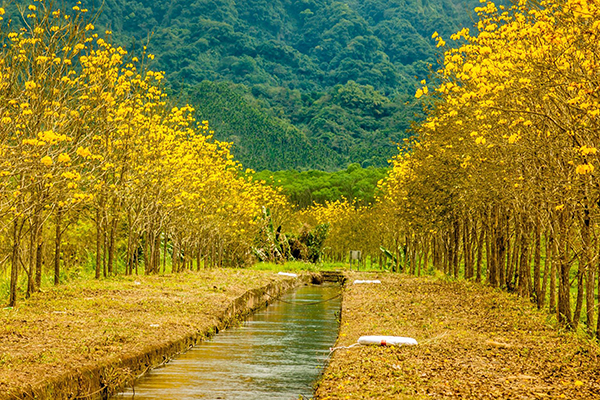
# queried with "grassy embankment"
point(77, 327)
point(474, 342)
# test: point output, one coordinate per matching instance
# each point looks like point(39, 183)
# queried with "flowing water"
point(278, 353)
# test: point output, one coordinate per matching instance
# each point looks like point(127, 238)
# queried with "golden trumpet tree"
point(87, 136)
point(504, 168)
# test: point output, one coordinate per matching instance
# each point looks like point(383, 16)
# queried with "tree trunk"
point(39, 257)
point(509, 257)
point(146, 240)
point(564, 284)
point(553, 248)
point(598, 319)
point(425, 258)
point(524, 284)
point(98, 243)
point(501, 252)
point(547, 262)
point(164, 262)
point(580, 294)
point(57, 245)
point(198, 258)
point(32, 255)
point(480, 243)
point(456, 248)
point(590, 281)
point(537, 261)
point(489, 250)
point(14, 268)
point(104, 250)
point(111, 246)
point(156, 263)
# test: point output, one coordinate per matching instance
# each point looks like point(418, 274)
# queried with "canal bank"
point(85, 342)
point(475, 342)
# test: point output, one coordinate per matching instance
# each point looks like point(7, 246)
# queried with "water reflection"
point(278, 353)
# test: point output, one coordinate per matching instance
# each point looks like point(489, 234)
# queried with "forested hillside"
point(333, 79)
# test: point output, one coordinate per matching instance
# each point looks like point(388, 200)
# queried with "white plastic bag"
point(387, 340)
point(288, 274)
point(363, 281)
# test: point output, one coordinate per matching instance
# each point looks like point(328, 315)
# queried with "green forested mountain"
point(301, 83)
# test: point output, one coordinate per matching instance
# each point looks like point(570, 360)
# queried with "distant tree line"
point(306, 188)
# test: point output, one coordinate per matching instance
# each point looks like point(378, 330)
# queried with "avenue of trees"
point(498, 185)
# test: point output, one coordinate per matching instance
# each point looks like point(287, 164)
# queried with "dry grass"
point(474, 342)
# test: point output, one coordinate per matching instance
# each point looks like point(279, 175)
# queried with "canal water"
point(278, 353)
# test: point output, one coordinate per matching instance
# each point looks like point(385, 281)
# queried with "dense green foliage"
point(309, 187)
point(313, 74)
point(348, 123)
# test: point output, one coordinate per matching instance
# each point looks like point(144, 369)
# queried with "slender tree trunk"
point(32, 255)
point(490, 251)
point(509, 256)
point(580, 293)
point(553, 249)
point(517, 259)
point(130, 245)
point(14, 268)
point(39, 257)
point(413, 256)
point(537, 265)
point(501, 251)
point(547, 262)
point(98, 243)
point(456, 249)
point(146, 252)
point(164, 262)
point(589, 269)
point(564, 285)
point(598, 319)
point(524, 285)
point(57, 245)
point(480, 243)
point(111, 246)
point(156, 263)
point(425, 258)
point(104, 251)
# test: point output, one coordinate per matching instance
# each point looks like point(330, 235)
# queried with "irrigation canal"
point(277, 353)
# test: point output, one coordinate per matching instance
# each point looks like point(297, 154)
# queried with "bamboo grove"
point(95, 164)
point(500, 183)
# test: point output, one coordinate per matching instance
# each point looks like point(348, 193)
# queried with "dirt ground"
point(474, 342)
point(77, 326)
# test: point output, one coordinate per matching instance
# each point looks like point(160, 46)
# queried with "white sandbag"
point(288, 274)
point(363, 281)
point(386, 340)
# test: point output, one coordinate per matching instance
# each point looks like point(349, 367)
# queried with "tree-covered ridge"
point(287, 57)
point(307, 44)
point(273, 128)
